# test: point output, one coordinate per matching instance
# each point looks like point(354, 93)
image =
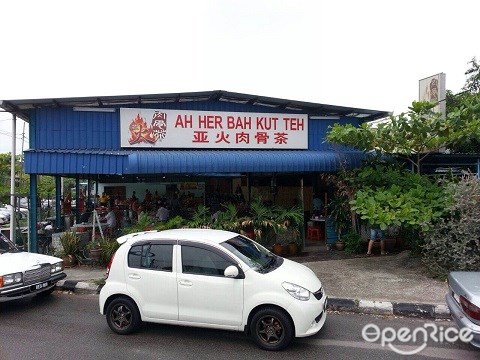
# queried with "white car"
point(214, 279)
point(24, 274)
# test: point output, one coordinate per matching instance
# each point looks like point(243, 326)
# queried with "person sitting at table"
point(162, 213)
point(318, 205)
point(111, 221)
point(85, 217)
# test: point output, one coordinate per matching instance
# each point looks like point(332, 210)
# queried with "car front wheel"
point(271, 329)
point(123, 316)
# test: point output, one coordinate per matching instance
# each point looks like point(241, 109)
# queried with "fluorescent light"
point(94, 109)
point(333, 117)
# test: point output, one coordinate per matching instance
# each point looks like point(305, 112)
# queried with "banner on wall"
point(158, 128)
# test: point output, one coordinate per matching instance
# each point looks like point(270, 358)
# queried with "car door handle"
point(185, 283)
point(134, 276)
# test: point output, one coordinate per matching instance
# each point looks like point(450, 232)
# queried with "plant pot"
point(95, 254)
point(277, 249)
point(69, 261)
point(339, 245)
point(292, 249)
point(390, 244)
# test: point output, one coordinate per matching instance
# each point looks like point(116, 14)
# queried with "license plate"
point(41, 286)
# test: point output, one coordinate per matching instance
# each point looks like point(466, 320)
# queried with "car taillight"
point(109, 265)
point(471, 310)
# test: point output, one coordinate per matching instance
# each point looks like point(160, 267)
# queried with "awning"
point(179, 162)
point(188, 162)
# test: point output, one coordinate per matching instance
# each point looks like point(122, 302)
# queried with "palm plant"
point(69, 241)
point(261, 219)
point(201, 218)
point(227, 219)
point(289, 219)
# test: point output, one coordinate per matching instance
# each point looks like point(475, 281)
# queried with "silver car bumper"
point(462, 320)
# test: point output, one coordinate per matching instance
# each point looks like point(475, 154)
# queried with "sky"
point(367, 54)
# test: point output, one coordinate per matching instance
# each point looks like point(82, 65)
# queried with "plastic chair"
point(313, 233)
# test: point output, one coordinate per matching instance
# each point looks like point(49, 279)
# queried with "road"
point(69, 326)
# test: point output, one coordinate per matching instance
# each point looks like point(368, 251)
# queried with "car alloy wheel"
point(123, 316)
point(271, 329)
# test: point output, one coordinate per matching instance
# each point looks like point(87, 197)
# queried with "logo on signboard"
point(140, 132)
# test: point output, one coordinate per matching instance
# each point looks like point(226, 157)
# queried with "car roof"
point(202, 235)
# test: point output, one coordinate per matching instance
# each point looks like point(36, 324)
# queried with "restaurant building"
point(203, 143)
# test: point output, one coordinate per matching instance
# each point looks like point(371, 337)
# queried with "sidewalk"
point(394, 284)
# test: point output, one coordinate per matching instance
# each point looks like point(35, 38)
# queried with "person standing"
point(376, 234)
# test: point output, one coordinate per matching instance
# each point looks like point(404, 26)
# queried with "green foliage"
point(108, 247)
point(227, 219)
point(353, 242)
point(69, 241)
point(339, 209)
point(409, 135)
point(201, 218)
point(144, 223)
point(289, 221)
point(472, 84)
point(172, 223)
point(453, 243)
point(262, 220)
point(388, 196)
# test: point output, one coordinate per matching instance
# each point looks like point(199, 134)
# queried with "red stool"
point(313, 233)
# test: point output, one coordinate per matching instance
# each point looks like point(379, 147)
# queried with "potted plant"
point(340, 245)
point(353, 242)
point(69, 241)
point(261, 219)
point(289, 221)
point(94, 250)
point(227, 219)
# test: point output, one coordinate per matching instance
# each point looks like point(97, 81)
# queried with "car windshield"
point(251, 253)
point(6, 245)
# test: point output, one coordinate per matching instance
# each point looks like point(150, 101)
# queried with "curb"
point(428, 311)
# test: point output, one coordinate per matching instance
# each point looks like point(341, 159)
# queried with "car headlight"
point(57, 267)
point(296, 291)
point(10, 279)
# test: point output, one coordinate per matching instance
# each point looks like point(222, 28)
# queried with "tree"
point(411, 136)
point(472, 85)
point(46, 184)
point(386, 195)
point(21, 180)
point(453, 244)
point(419, 132)
point(466, 104)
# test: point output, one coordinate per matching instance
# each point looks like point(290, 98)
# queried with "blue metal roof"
point(187, 161)
point(23, 108)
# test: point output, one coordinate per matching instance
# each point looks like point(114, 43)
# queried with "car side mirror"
point(232, 271)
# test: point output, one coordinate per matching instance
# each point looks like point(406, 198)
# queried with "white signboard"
point(432, 89)
point(157, 128)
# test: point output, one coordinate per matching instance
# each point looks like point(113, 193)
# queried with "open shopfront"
point(226, 141)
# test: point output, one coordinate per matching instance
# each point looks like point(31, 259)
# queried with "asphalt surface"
point(396, 284)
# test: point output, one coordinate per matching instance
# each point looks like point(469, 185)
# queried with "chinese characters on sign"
point(155, 128)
